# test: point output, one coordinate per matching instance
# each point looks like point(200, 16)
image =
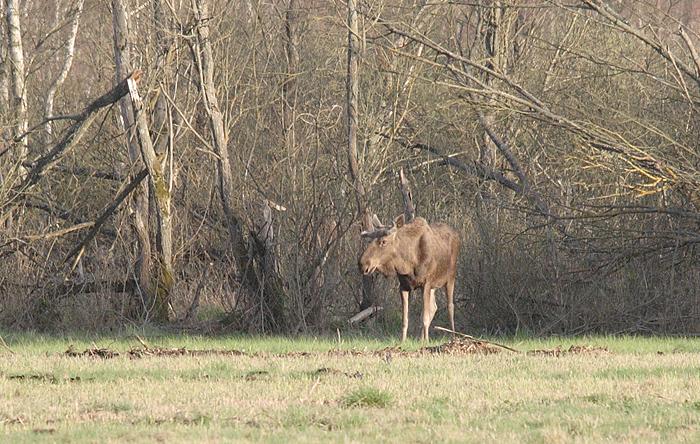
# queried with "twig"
point(477, 339)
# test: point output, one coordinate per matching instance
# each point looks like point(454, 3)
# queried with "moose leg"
point(433, 305)
point(404, 325)
point(427, 311)
point(450, 290)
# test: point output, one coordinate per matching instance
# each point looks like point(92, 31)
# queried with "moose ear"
point(399, 221)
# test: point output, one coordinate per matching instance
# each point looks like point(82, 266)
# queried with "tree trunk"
point(140, 201)
point(4, 73)
point(161, 128)
point(162, 199)
point(289, 87)
point(494, 52)
point(19, 91)
point(368, 296)
point(272, 291)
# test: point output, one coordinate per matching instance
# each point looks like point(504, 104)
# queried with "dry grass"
point(374, 393)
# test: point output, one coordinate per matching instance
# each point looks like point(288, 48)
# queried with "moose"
point(421, 255)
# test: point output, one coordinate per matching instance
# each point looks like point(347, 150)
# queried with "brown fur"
point(421, 256)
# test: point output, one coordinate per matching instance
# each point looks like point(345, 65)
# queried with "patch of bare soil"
point(45, 377)
point(573, 350)
point(256, 375)
point(335, 372)
point(463, 346)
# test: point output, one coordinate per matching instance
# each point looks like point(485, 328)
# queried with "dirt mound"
point(157, 351)
point(95, 352)
point(456, 346)
point(573, 350)
point(135, 353)
point(463, 346)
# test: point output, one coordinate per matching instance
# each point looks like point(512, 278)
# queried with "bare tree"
point(352, 88)
point(166, 275)
point(140, 202)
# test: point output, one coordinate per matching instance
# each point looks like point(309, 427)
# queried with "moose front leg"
point(428, 312)
point(404, 325)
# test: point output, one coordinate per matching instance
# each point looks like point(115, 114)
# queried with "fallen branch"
point(108, 212)
point(72, 136)
point(143, 343)
point(364, 314)
point(477, 339)
point(5, 346)
point(63, 290)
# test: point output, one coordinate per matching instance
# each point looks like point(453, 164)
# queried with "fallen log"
point(365, 314)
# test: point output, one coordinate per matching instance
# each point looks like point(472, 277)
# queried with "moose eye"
point(382, 242)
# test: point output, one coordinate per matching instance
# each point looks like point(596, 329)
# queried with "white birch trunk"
point(65, 68)
point(4, 80)
point(19, 92)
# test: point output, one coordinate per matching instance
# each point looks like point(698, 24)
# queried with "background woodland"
point(212, 163)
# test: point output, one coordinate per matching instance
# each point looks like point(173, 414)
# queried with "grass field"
point(319, 390)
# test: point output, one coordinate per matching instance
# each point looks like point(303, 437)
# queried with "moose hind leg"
point(433, 305)
point(450, 290)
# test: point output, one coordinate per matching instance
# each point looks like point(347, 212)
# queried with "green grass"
point(367, 397)
point(646, 390)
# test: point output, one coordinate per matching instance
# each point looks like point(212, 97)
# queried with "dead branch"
point(365, 314)
point(59, 233)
